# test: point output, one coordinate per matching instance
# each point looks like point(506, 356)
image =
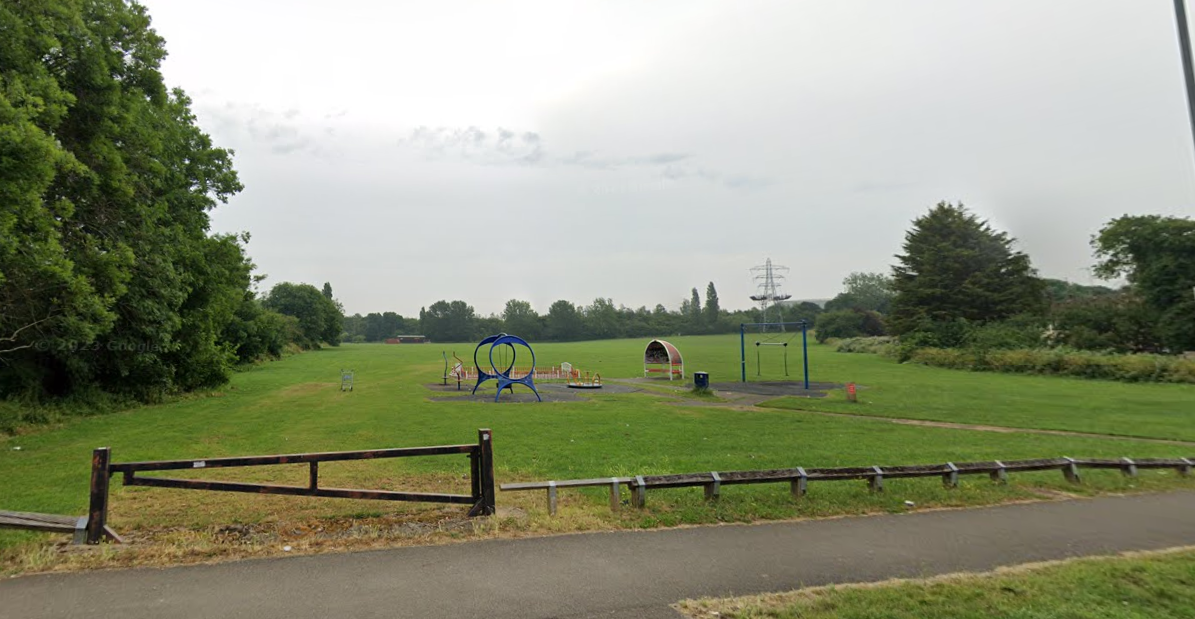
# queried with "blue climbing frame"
point(804, 343)
point(503, 376)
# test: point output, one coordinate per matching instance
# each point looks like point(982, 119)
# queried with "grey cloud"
point(476, 146)
point(742, 182)
point(590, 159)
point(277, 131)
point(509, 147)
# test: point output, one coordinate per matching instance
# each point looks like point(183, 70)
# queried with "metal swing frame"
point(804, 346)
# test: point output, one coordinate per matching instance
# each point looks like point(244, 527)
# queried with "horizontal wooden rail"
point(328, 456)
point(333, 493)
point(481, 476)
point(800, 477)
point(52, 523)
point(613, 483)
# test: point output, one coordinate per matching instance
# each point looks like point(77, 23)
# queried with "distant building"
point(408, 339)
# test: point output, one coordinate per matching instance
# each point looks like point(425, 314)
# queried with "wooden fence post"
point(639, 494)
point(950, 480)
point(1071, 471)
point(1000, 475)
point(1128, 467)
point(713, 490)
point(875, 483)
point(97, 512)
point(485, 441)
point(551, 498)
point(615, 495)
point(800, 484)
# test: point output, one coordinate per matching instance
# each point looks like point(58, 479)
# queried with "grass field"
point(1149, 586)
point(295, 405)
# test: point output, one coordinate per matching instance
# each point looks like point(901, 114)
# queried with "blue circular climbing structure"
point(503, 376)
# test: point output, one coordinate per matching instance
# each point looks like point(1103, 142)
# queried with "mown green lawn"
point(889, 389)
point(295, 405)
point(1160, 586)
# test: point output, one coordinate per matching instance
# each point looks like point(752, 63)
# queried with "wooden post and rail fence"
point(93, 527)
point(798, 478)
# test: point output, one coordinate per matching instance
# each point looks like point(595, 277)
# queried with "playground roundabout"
point(548, 392)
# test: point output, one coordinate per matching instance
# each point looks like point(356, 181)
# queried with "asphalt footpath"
point(612, 575)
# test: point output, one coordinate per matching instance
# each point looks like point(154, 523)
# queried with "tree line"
point(961, 283)
point(457, 321)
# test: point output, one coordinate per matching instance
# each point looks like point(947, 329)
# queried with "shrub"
point(1077, 364)
point(872, 345)
point(849, 323)
point(1008, 335)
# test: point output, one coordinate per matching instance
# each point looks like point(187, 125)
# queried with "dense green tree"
point(327, 290)
point(564, 322)
point(1059, 291)
point(319, 318)
point(257, 333)
point(379, 327)
point(601, 320)
point(1120, 322)
point(354, 328)
point(519, 319)
point(443, 321)
point(849, 323)
point(108, 276)
point(1157, 256)
point(864, 291)
point(808, 311)
point(956, 266)
point(713, 309)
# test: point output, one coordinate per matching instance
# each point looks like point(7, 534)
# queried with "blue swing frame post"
point(503, 376)
point(804, 344)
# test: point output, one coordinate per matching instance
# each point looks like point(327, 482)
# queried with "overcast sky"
point(408, 152)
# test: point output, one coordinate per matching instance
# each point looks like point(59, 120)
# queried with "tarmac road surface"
point(612, 575)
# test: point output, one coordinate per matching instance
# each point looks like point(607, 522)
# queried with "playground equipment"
point(505, 377)
point(662, 357)
point(764, 326)
point(457, 372)
point(346, 380)
point(589, 381)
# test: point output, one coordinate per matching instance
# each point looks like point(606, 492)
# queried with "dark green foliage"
point(694, 314)
point(956, 267)
point(519, 319)
point(849, 323)
point(1119, 322)
point(864, 291)
point(1017, 332)
point(564, 322)
point(713, 309)
point(601, 320)
point(450, 322)
point(1157, 255)
point(109, 279)
point(1059, 291)
point(319, 318)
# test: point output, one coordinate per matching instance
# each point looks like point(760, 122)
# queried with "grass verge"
point(1157, 585)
